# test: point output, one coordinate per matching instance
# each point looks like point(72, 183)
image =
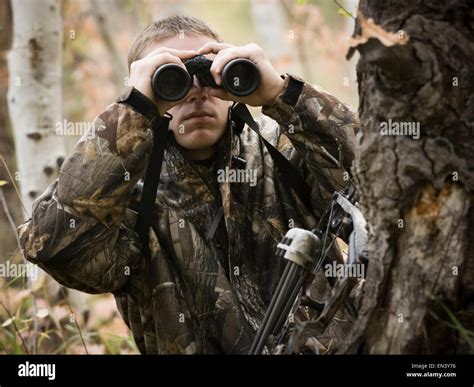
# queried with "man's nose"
point(198, 93)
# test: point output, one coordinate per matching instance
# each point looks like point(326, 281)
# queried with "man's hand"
point(142, 70)
point(271, 84)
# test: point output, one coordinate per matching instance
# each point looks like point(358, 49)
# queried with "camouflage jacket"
point(209, 294)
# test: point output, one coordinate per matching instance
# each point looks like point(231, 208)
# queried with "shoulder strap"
point(152, 178)
point(240, 114)
point(160, 125)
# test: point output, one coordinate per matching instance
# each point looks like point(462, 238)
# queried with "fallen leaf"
point(8, 322)
point(44, 335)
point(42, 313)
point(3, 182)
point(371, 30)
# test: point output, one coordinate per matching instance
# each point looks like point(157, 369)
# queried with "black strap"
point(215, 223)
point(241, 114)
point(152, 178)
point(293, 91)
point(159, 126)
point(139, 102)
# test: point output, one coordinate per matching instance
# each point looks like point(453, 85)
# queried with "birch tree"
point(8, 242)
point(34, 94)
point(35, 106)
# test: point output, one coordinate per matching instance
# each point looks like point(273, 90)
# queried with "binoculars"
point(171, 82)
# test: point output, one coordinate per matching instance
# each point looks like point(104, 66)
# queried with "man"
point(213, 274)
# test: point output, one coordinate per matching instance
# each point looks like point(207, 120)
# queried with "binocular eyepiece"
point(171, 82)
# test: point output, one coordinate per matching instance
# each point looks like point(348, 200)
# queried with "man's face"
point(199, 120)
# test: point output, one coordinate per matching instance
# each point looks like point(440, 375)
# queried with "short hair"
point(167, 28)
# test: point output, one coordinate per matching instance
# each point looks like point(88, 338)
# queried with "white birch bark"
point(35, 107)
point(34, 94)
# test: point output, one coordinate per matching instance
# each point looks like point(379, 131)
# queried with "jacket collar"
point(192, 179)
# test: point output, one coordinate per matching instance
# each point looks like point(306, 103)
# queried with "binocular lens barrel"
point(240, 77)
point(171, 82)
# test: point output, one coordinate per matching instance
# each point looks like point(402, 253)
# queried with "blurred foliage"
point(60, 329)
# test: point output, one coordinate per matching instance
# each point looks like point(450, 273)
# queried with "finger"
point(182, 54)
point(161, 56)
point(249, 51)
point(149, 65)
point(213, 48)
point(222, 59)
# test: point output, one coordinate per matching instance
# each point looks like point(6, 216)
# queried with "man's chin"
point(199, 139)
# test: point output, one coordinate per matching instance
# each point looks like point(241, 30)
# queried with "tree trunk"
point(34, 94)
point(8, 243)
point(35, 107)
point(102, 16)
point(274, 23)
point(416, 193)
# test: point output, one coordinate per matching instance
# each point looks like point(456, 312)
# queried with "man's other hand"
point(271, 84)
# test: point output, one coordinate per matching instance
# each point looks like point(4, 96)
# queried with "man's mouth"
point(199, 115)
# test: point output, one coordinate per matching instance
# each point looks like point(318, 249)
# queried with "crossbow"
point(306, 252)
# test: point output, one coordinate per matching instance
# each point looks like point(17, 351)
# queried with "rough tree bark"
point(417, 194)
